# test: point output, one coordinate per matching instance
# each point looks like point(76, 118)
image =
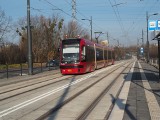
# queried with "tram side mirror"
point(83, 53)
point(58, 49)
point(83, 57)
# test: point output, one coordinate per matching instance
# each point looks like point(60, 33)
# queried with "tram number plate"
point(69, 70)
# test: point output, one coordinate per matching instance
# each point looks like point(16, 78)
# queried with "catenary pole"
point(30, 63)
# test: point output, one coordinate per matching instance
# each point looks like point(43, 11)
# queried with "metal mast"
point(30, 62)
point(74, 9)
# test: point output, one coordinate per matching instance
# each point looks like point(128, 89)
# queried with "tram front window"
point(70, 53)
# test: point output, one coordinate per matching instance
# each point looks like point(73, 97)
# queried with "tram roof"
point(91, 42)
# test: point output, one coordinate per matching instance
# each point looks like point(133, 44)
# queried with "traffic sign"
point(153, 25)
point(158, 23)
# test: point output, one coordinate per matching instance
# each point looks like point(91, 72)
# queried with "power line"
point(57, 8)
point(118, 17)
point(77, 11)
point(83, 16)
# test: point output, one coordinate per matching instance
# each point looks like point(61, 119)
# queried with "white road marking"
point(153, 105)
point(119, 107)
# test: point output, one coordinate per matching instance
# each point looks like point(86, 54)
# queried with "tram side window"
point(89, 53)
point(99, 54)
point(109, 54)
point(105, 54)
point(113, 55)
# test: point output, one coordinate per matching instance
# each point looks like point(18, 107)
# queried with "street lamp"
point(97, 36)
point(147, 17)
point(90, 20)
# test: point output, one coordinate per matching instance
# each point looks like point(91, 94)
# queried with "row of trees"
point(46, 36)
point(47, 32)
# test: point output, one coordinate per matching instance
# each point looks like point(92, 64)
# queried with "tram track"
point(27, 79)
point(113, 102)
point(50, 81)
point(29, 83)
point(91, 107)
point(25, 82)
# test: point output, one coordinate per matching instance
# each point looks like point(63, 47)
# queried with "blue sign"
point(153, 25)
point(158, 24)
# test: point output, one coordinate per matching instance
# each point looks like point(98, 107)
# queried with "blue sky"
point(122, 19)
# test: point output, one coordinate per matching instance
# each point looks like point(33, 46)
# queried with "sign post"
point(158, 39)
point(159, 57)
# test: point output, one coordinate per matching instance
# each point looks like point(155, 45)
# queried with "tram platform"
point(140, 97)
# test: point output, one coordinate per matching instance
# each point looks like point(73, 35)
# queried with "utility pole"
point(90, 20)
point(142, 38)
point(137, 48)
point(107, 46)
point(30, 63)
point(91, 27)
point(108, 38)
point(147, 17)
point(142, 44)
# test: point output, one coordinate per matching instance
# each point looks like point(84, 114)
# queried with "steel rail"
point(89, 109)
point(57, 107)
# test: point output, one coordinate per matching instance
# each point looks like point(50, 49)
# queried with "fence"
point(7, 71)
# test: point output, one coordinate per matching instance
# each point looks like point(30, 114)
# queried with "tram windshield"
point(70, 53)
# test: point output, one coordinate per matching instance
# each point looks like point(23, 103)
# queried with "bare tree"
point(4, 25)
point(73, 29)
point(153, 51)
point(22, 32)
point(46, 35)
point(10, 54)
point(51, 32)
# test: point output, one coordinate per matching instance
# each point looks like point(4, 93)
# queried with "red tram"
point(79, 56)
